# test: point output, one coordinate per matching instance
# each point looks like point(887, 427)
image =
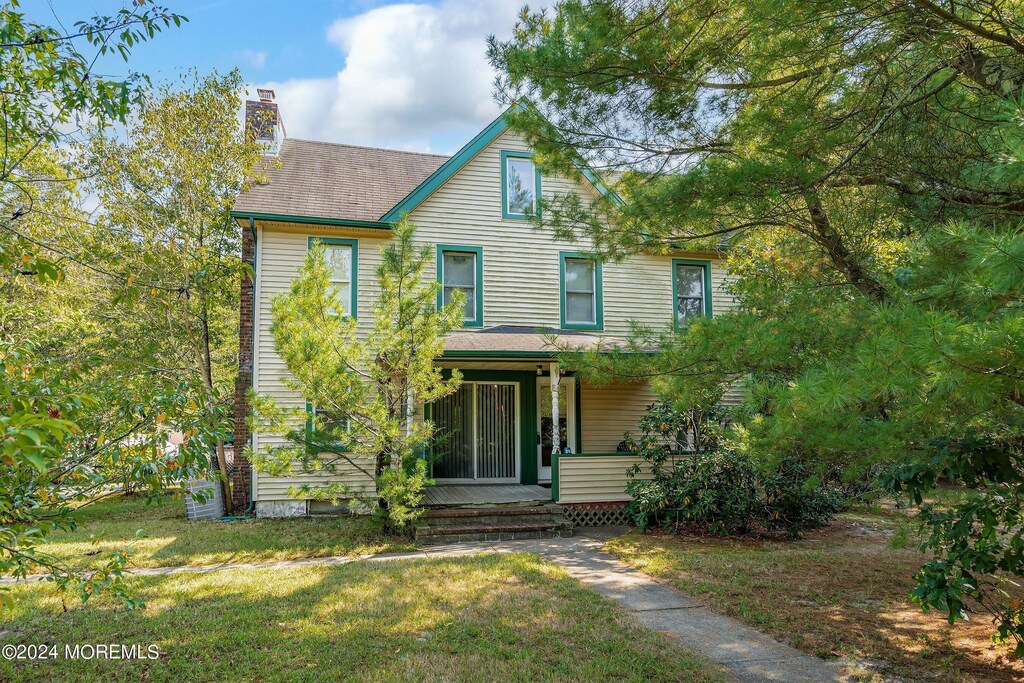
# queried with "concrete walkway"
point(748, 655)
point(745, 653)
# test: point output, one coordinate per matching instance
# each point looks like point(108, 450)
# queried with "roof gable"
point(330, 183)
point(455, 164)
point(447, 169)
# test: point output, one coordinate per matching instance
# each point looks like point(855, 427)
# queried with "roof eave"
point(312, 220)
point(464, 155)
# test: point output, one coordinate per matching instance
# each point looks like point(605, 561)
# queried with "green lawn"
point(496, 617)
point(840, 592)
point(169, 539)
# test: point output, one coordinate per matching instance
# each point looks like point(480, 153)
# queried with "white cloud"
point(255, 59)
point(415, 77)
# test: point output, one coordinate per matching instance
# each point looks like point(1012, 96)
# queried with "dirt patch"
point(839, 592)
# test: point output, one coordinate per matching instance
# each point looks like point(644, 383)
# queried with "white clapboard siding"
point(596, 479)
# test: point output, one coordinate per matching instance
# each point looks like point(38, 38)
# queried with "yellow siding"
point(521, 283)
point(279, 256)
point(608, 411)
point(521, 287)
point(595, 479)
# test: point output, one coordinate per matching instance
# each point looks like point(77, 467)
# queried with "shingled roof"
point(328, 180)
point(528, 340)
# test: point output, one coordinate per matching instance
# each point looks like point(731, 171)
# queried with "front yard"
point(485, 618)
point(168, 539)
point(497, 617)
point(840, 592)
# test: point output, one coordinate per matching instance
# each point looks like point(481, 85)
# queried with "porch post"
point(556, 377)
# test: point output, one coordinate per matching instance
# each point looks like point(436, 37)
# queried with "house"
point(521, 286)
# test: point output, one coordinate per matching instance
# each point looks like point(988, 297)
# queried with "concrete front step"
point(430, 534)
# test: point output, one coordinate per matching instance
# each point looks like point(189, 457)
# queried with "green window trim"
point(344, 242)
point(706, 265)
point(598, 323)
point(310, 414)
point(505, 156)
point(468, 152)
point(478, 318)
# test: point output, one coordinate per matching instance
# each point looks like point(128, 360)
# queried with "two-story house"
point(521, 284)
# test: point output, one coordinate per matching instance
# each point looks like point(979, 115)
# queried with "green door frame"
point(528, 427)
point(527, 413)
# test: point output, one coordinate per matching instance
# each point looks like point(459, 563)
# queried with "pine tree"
point(361, 388)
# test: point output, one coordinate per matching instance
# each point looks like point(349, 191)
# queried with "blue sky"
point(406, 75)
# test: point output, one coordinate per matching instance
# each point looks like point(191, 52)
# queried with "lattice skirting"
point(596, 514)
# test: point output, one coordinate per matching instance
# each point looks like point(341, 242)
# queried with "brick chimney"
point(263, 120)
point(241, 496)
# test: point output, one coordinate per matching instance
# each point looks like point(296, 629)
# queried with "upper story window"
point(460, 268)
point(520, 185)
point(691, 287)
point(581, 296)
point(342, 257)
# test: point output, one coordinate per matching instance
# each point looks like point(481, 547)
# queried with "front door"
point(566, 421)
point(477, 434)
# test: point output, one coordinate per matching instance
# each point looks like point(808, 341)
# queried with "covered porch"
point(484, 495)
point(516, 407)
point(518, 412)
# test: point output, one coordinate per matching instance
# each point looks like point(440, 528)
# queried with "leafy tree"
point(167, 189)
point(860, 164)
point(49, 87)
point(364, 385)
point(87, 402)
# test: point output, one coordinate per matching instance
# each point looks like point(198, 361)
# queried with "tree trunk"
point(986, 71)
point(222, 461)
point(826, 236)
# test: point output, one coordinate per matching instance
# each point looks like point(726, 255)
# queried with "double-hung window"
point(327, 428)
point(520, 185)
point(691, 285)
point(460, 269)
point(581, 297)
point(342, 256)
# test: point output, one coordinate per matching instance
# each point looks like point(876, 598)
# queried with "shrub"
point(795, 500)
point(716, 488)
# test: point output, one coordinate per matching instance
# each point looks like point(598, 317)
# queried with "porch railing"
point(592, 477)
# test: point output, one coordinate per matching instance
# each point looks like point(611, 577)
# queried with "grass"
point(499, 617)
point(840, 592)
point(169, 539)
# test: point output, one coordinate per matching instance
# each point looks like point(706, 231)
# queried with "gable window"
point(691, 287)
point(460, 269)
point(581, 297)
point(342, 256)
point(520, 185)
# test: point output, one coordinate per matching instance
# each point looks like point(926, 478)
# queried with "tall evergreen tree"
point(859, 163)
point(361, 390)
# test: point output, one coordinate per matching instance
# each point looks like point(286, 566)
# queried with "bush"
point(717, 489)
point(795, 500)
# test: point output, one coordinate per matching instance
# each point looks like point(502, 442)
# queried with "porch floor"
point(448, 495)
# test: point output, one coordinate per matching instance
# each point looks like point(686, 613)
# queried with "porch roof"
point(524, 342)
